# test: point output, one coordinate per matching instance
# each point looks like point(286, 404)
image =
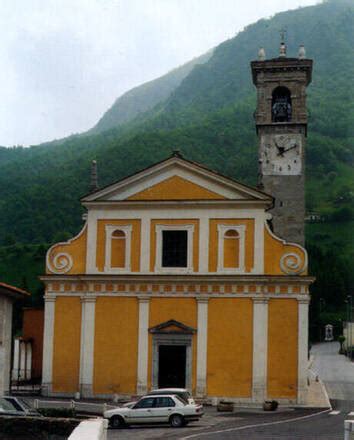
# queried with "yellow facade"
point(66, 359)
point(282, 348)
point(116, 337)
point(230, 347)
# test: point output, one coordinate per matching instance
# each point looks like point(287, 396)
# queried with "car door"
point(141, 412)
point(163, 408)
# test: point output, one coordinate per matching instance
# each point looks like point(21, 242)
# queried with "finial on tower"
point(94, 179)
point(261, 54)
point(282, 50)
point(302, 52)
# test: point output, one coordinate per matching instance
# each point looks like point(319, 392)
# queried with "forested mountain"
point(207, 113)
point(143, 98)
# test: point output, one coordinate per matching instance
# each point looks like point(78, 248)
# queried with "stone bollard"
point(348, 429)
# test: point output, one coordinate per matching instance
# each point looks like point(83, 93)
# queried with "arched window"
point(118, 250)
point(281, 105)
point(231, 249)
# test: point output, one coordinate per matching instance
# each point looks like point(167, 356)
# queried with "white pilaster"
point(204, 244)
point(88, 306)
point(145, 245)
point(91, 243)
point(303, 312)
point(202, 344)
point(143, 345)
point(260, 349)
point(48, 340)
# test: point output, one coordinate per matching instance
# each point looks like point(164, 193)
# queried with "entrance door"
point(172, 366)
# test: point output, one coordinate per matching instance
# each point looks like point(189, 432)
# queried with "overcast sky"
point(64, 62)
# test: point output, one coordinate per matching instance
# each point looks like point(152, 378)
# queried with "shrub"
point(57, 412)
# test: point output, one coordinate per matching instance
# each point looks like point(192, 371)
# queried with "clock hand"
point(281, 153)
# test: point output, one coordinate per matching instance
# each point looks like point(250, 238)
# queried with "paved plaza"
point(337, 374)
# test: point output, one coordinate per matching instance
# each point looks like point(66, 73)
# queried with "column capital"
point(88, 298)
point(304, 300)
point(50, 297)
point(260, 300)
point(144, 298)
point(203, 299)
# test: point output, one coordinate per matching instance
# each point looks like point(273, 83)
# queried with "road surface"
point(336, 372)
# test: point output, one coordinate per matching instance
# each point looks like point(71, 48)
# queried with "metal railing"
point(80, 407)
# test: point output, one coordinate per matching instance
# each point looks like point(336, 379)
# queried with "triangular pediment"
point(176, 188)
point(172, 327)
point(176, 179)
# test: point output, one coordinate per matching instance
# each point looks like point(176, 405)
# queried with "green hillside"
point(143, 98)
point(207, 114)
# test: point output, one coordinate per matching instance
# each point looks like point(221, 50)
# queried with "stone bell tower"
point(281, 121)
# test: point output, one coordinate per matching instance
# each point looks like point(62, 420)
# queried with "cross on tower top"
point(282, 51)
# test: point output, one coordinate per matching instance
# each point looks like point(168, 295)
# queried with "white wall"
point(94, 429)
point(5, 343)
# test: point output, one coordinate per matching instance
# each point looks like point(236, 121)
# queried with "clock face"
point(281, 154)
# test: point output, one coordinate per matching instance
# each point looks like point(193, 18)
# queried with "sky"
point(65, 62)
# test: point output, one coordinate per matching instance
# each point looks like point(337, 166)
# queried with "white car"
point(181, 392)
point(165, 408)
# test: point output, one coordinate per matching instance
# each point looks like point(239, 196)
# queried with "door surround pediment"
point(172, 327)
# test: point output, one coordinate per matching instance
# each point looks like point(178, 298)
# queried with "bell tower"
point(281, 122)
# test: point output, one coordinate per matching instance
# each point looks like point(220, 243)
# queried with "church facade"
point(176, 279)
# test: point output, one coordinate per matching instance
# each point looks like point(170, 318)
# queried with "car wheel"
point(176, 421)
point(116, 422)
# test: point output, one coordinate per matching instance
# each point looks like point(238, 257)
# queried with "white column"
point(260, 349)
point(88, 306)
point(48, 340)
point(259, 243)
point(202, 345)
point(143, 345)
point(204, 245)
point(303, 312)
point(16, 360)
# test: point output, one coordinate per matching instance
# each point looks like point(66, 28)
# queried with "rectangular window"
point(174, 248)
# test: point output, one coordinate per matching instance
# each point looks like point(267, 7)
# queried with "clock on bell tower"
point(281, 122)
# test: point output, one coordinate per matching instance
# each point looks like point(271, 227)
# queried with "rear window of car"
point(181, 400)
point(185, 396)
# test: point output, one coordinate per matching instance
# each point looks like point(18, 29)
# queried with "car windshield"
point(25, 404)
point(9, 405)
point(184, 402)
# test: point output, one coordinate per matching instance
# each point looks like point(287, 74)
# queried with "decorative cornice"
point(176, 278)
